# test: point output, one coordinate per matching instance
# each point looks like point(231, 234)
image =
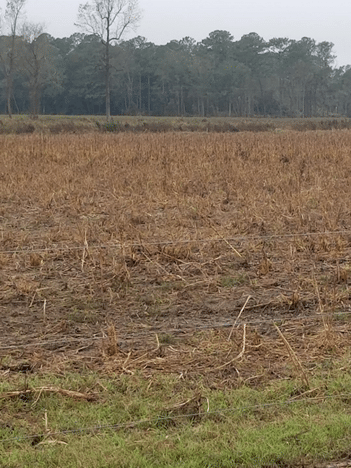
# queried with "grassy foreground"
point(133, 421)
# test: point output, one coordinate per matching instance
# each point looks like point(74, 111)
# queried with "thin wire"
point(273, 320)
point(120, 245)
point(184, 330)
point(49, 342)
point(159, 419)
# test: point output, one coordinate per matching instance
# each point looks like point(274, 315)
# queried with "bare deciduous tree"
point(8, 56)
point(38, 64)
point(109, 20)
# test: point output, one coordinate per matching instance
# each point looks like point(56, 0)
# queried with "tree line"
point(91, 72)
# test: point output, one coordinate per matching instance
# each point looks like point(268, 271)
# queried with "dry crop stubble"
point(69, 199)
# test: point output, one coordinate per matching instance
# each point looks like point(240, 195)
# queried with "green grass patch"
point(232, 281)
point(162, 420)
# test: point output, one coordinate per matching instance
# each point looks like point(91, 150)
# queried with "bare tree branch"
point(109, 20)
point(12, 15)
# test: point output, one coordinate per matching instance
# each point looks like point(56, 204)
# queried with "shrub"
point(25, 128)
point(64, 127)
point(223, 127)
point(112, 126)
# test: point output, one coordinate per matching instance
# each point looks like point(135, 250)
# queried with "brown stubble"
point(95, 213)
point(251, 181)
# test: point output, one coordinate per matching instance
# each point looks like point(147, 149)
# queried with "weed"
point(230, 282)
point(166, 339)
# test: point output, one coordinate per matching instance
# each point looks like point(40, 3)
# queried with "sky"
point(165, 20)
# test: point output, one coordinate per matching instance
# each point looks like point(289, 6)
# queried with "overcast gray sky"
point(164, 20)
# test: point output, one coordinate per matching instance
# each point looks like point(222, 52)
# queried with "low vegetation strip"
point(51, 124)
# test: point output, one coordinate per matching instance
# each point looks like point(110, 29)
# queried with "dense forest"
point(218, 76)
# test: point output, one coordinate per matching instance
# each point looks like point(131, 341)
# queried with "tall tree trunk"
point(178, 101)
point(9, 87)
point(280, 96)
point(9, 94)
point(107, 77)
point(140, 92)
point(148, 95)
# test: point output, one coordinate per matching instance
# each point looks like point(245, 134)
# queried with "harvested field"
point(140, 250)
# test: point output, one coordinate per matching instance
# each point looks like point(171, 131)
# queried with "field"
point(194, 270)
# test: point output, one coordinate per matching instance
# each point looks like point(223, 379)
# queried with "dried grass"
point(158, 233)
point(37, 392)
